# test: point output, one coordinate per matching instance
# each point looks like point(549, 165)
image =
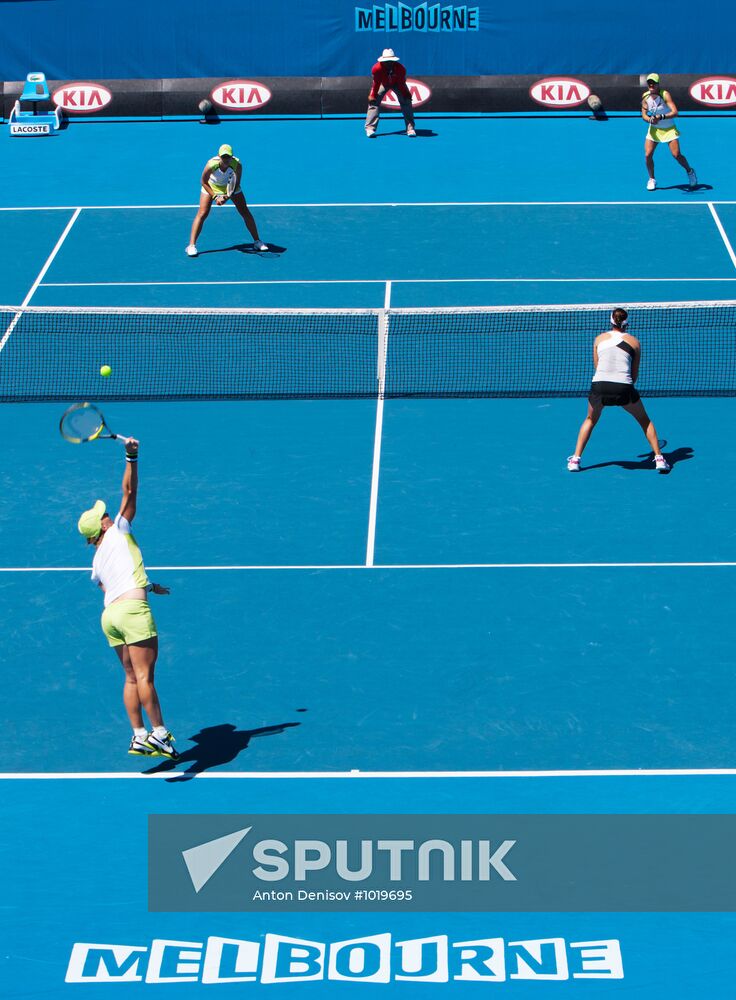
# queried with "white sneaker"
point(259, 245)
point(661, 464)
point(192, 250)
point(139, 748)
point(370, 132)
point(692, 178)
point(161, 747)
point(651, 184)
point(411, 131)
point(573, 463)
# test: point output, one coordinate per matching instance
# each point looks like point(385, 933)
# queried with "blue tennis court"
point(405, 606)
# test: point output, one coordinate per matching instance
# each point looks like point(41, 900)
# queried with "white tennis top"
point(118, 563)
point(656, 103)
point(219, 177)
point(614, 359)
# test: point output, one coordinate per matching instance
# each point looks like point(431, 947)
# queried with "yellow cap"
point(654, 77)
point(90, 523)
point(225, 150)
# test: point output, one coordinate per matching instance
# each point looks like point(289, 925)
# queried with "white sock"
point(140, 734)
point(160, 732)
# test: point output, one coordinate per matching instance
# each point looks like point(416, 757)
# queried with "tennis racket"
point(232, 185)
point(84, 422)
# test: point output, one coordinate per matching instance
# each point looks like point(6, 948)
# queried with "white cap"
point(388, 55)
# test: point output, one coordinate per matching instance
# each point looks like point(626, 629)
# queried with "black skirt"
point(612, 394)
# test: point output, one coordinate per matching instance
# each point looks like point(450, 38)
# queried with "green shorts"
point(219, 189)
point(126, 622)
point(668, 134)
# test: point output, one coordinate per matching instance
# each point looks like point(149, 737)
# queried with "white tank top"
point(220, 178)
point(118, 564)
point(614, 359)
point(656, 104)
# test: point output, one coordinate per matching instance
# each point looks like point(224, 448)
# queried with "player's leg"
point(639, 413)
point(586, 429)
point(682, 160)
point(238, 199)
point(132, 702)
point(205, 204)
point(143, 656)
point(130, 689)
point(649, 146)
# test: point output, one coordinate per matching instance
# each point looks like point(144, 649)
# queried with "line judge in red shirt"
point(389, 74)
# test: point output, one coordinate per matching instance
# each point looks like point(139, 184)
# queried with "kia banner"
point(715, 91)
point(250, 95)
point(243, 97)
point(85, 98)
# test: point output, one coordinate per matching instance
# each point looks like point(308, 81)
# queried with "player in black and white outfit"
point(616, 356)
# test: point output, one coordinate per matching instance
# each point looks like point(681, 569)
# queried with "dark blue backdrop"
point(109, 39)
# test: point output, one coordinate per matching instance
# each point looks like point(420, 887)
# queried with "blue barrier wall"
point(73, 39)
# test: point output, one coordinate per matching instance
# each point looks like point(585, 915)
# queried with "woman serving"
point(616, 356)
point(221, 174)
point(127, 621)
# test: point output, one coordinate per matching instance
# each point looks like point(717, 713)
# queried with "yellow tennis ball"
point(106, 371)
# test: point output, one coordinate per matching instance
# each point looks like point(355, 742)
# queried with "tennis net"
point(55, 353)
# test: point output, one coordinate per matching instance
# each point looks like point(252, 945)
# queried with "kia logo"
point(715, 91)
point(82, 97)
point(420, 94)
point(241, 95)
point(559, 92)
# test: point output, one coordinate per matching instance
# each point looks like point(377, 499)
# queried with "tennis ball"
point(106, 371)
point(205, 107)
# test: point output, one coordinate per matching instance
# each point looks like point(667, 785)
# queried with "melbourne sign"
point(418, 17)
point(376, 958)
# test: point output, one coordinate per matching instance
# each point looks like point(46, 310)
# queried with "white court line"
point(370, 204)
point(40, 275)
point(722, 231)
point(373, 505)
point(374, 281)
point(394, 566)
point(279, 775)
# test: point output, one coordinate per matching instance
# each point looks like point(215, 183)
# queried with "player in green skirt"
point(223, 173)
point(658, 108)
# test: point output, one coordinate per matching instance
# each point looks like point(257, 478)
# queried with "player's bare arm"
point(130, 480)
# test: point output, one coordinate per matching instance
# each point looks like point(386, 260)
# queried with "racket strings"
point(82, 424)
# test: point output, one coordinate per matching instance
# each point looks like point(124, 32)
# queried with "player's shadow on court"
point(247, 248)
point(646, 463)
point(685, 188)
point(214, 746)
